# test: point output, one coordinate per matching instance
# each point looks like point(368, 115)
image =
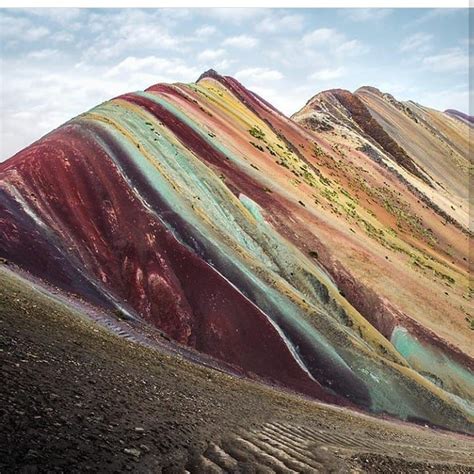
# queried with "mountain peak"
point(209, 73)
point(336, 90)
point(371, 89)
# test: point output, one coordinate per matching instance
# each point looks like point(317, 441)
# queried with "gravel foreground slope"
point(77, 398)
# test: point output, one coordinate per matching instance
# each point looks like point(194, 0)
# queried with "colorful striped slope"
point(325, 254)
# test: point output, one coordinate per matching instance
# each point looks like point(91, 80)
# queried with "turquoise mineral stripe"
point(252, 207)
point(432, 363)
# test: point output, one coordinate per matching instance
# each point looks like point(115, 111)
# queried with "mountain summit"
point(325, 254)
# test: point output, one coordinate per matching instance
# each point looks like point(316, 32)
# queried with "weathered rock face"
point(316, 259)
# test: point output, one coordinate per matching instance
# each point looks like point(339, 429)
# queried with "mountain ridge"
point(206, 212)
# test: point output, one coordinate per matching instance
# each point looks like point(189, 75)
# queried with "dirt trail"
point(77, 398)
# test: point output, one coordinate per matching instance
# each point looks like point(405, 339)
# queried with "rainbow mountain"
point(325, 254)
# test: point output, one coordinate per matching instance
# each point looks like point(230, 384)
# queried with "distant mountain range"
point(326, 253)
point(460, 115)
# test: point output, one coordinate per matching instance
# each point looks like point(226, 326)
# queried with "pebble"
point(133, 452)
point(145, 448)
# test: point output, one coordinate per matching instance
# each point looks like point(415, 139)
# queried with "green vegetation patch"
point(257, 133)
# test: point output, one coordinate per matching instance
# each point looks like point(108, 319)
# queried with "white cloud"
point(322, 36)
point(35, 34)
point(58, 15)
point(157, 68)
point(205, 31)
point(241, 41)
point(276, 24)
point(334, 41)
point(328, 74)
point(434, 14)
point(233, 14)
point(351, 48)
point(259, 74)
point(211, 54)
point(125, 32)
point(419, 42)
point(450, 60)
point(223, 65)
point(43, 54)
point(20, 29)
point(62, 37)
point(368, 14)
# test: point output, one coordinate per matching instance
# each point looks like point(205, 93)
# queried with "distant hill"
point(461, 116)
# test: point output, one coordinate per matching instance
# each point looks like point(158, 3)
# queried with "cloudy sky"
point(56, 64)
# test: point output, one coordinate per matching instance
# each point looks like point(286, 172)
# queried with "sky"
point(58, 63)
